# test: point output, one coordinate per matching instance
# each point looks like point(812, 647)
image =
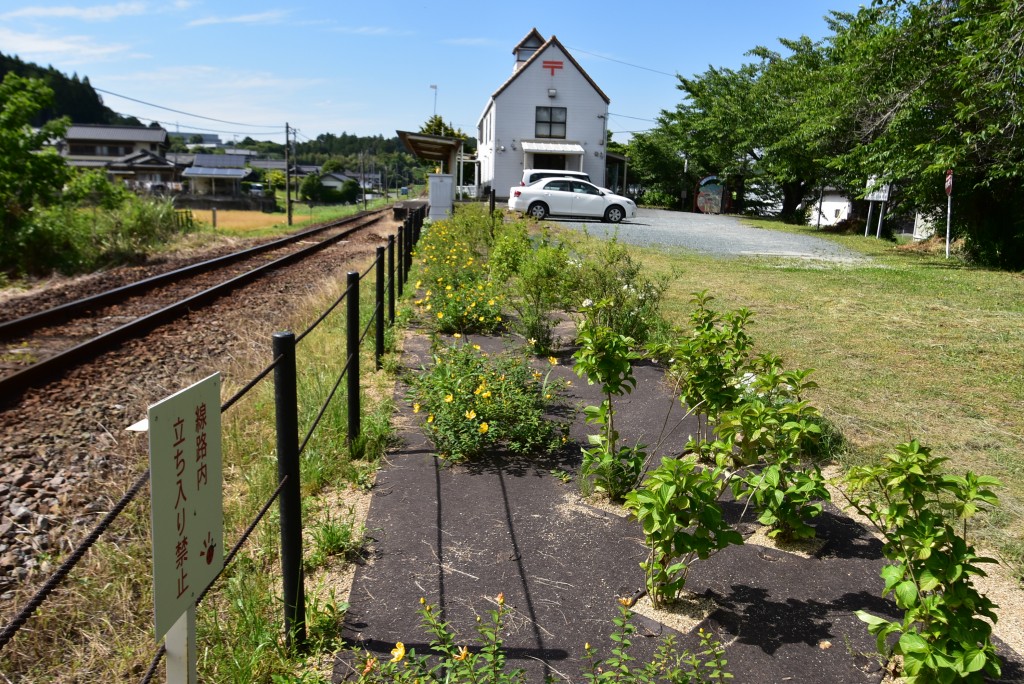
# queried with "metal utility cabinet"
point(442, 195)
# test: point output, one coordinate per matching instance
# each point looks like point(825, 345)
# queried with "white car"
point(569, 197)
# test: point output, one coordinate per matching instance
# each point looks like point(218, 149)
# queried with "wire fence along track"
point(54, 581)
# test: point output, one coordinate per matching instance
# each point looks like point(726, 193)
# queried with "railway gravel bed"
point(66, 458)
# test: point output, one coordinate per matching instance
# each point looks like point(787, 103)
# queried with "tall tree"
point(31, 174)
point(935, 85)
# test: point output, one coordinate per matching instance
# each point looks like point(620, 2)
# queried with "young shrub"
point(946, 630)
point(606, 357)
point(473, 403)
point(610, 274)
point(711, 362)
point(770, 434)
point(682, 522)
point(535, 272)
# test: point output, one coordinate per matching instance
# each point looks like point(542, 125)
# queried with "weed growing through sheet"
point(483, 659)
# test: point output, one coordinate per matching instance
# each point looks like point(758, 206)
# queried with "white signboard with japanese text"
point(186, 493)
point(876, 192)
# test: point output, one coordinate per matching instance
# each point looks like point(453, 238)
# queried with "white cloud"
point(261, 18)
point(66, 49)
point(95, 13)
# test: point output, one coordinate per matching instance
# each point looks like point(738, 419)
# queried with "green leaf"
point(911, 642)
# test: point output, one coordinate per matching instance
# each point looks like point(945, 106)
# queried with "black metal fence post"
point(407, 262)
point(378, 311)
point(391, 278)
point(290, 501)
point(352, 349)
point(400, 239)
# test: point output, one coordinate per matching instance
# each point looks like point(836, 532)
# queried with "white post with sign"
point(877, 193)
point(949, 206)
point(187, 515)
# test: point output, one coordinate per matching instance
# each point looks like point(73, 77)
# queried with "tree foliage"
point(902, 90)
point(31, 175)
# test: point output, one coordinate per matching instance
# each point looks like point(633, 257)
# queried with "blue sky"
point(367, 68)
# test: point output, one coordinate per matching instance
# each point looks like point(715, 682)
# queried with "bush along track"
point(759, 437)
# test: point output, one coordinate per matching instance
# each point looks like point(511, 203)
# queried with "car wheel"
point(614, 214)
point(538, 210)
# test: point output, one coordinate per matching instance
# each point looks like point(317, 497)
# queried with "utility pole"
point(287, 174)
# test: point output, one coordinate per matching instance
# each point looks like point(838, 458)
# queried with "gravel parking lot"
point(719, 235)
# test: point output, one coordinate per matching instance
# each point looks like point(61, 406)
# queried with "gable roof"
point(115, 133)
point(551, 42)
point(532, 37)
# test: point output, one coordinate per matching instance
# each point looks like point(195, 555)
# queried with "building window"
point(550, 122)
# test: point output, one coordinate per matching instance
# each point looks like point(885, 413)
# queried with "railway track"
point(65, 456)
point(39, 347)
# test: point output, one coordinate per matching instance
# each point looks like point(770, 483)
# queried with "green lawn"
point(906, 345)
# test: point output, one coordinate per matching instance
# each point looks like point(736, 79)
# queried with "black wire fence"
point(390, 283)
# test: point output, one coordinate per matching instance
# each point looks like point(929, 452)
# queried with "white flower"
point(588, 302)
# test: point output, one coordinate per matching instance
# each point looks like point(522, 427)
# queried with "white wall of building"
point(510, 118)
point(834, 208)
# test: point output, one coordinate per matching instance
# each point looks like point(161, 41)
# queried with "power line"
point(635, 66)
point(638, 118)
point(178, 111)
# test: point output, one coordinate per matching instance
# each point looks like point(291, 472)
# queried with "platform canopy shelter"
point(437, 148)
point(447, 152)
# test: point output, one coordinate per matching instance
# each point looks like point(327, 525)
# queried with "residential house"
point(833, 206)
point(216, 174)
point(132, 154)
point(549, 114)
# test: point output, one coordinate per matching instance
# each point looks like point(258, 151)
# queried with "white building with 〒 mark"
point(548, 115)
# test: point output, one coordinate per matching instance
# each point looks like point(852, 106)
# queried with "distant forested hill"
point(72, 97)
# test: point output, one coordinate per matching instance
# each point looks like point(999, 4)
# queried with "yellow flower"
point(487, 394)
point(470, 414)
point(447, 287)
point(552, 360)
point(430, 418)
point(547, 396)
point(463, 652)
point(532, 341)
point(484, 427)
point(415, 408)
point(481, 318)
point(537, 375)
point(418, 283)
point(490, 302)
point(457, 336)
point(398, 652)
point(440, 315)
point(476, 347)
point(448, 399)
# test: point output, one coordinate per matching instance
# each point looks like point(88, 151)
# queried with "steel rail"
point(58, 314)
point(46, 370)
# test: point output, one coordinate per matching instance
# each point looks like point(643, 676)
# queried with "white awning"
point(552, 147)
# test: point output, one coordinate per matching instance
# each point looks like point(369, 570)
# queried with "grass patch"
point(905, 345)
